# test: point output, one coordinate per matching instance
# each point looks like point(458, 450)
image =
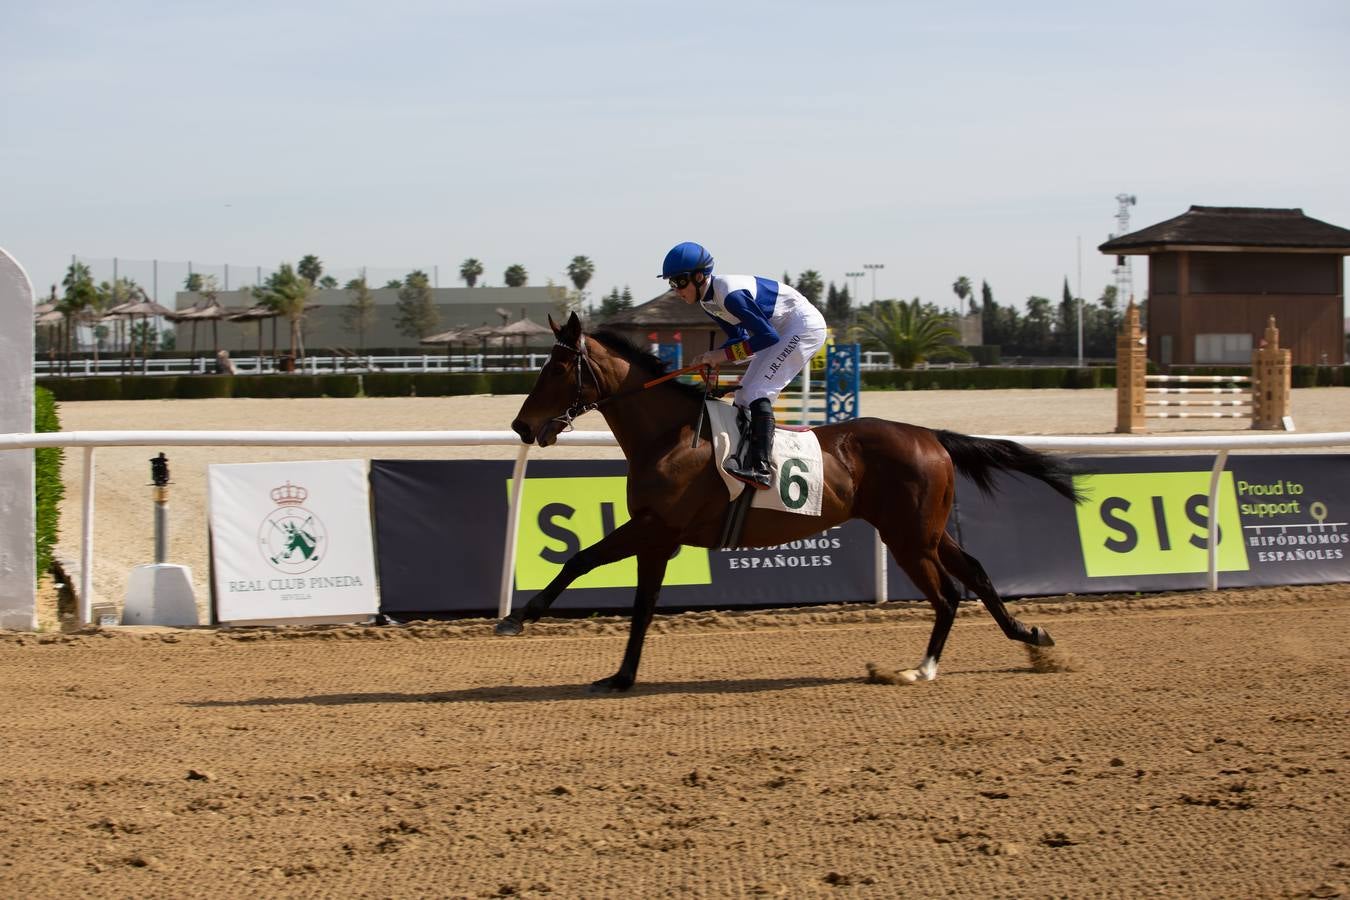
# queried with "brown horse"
point(900, 478)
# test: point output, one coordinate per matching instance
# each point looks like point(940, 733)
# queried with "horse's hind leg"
point(968, 569)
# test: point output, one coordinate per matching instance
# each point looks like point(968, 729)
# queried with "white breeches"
point(801, 333)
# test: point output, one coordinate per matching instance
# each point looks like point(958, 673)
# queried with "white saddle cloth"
point(798, 467)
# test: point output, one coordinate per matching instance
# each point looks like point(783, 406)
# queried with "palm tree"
point(962, 289)
point(80, 295)
point(516, 276)
point(1036, 326)
point(288, 292)
point(580, 270)
point(810, 285)
point(470, 271)
point(908, 331)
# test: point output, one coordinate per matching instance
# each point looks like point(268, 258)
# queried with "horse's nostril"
point(520, 428)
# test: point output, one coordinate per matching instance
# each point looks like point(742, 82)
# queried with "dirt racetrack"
point(1192, 745)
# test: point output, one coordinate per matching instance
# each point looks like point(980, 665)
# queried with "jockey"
point(768, 323)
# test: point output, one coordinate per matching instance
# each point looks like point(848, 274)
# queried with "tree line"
point(913, 331)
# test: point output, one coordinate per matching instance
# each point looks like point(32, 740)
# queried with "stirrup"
point(759, 478)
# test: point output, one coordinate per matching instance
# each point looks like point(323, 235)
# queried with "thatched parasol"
point(203, 311)
point(527, 331)
point(259, 314)
point(445, 337)
point(142, 308)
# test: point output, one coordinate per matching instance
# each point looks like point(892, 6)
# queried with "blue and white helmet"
point(687, 257)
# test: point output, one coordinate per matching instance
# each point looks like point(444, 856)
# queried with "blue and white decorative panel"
point(670, 355)
point(843, 379)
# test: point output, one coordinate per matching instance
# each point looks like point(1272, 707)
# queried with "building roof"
point(665, 311)
point(1234, 226)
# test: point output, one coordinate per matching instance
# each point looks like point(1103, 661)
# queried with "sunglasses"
point(679, 282)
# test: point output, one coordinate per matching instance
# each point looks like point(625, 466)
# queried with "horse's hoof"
point(508, 627)
point(1041, 637)
point(615, 684)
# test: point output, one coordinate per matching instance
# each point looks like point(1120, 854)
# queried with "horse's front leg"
point(652, 560)
point(620, 543)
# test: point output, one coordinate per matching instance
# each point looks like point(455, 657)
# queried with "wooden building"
point(1216, 274)
point(667, 320)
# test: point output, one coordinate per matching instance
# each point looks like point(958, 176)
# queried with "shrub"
point(341, 385)
point(47, 480)
point(70, 390)
point(987, 378)
point(158, 387)
point(201, 387)
point(388, 384)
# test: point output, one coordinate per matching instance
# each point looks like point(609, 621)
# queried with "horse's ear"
point(552, 324)
point(570, 332)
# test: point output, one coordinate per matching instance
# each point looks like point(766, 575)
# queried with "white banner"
point(292, 541)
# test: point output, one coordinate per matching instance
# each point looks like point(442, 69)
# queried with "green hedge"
point(448, 384)
point(47, 476)
point(988, 379)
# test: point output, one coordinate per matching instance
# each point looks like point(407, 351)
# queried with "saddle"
point(796, 491)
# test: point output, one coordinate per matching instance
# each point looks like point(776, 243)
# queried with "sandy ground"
point(1190, 746)
point(124, 512)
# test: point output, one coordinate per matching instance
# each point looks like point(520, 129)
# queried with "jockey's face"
point(690, 286)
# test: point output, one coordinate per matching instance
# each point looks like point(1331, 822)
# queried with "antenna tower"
point(1124, 276)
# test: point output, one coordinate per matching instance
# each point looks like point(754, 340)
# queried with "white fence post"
point(879, 568)
point(86, 598)
point(512, 533)
point(18, 563)
point(1213, 550)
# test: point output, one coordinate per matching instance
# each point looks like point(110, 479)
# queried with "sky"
point(935, 140)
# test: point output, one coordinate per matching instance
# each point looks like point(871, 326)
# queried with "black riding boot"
point(753, 467)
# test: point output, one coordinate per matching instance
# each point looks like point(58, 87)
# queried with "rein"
point(580, 407)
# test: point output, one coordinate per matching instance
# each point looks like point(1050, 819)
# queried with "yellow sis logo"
point(1156, 523)
point(559, 516)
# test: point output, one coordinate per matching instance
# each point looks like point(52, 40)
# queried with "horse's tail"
point(978, 459)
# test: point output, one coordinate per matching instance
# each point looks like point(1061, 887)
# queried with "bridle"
point(580, 407)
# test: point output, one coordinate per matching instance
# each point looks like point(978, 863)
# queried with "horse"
point(900, 478)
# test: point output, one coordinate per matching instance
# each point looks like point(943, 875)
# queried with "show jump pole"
point(18, 577)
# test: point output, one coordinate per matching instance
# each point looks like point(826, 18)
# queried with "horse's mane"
point(647, 362)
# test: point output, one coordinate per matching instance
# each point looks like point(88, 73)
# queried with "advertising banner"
point(441, 524)
point(1145, 525)
point(291, 542)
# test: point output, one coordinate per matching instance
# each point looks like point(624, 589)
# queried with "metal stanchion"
point(160, 593)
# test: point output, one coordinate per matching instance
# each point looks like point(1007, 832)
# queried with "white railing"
point(91, 440)
point(317, 364)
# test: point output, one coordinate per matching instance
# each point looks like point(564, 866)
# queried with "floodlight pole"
point(874, 267)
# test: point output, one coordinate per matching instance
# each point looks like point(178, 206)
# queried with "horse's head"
point(567, 385)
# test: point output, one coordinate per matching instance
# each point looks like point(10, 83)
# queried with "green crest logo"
point(292, 539)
